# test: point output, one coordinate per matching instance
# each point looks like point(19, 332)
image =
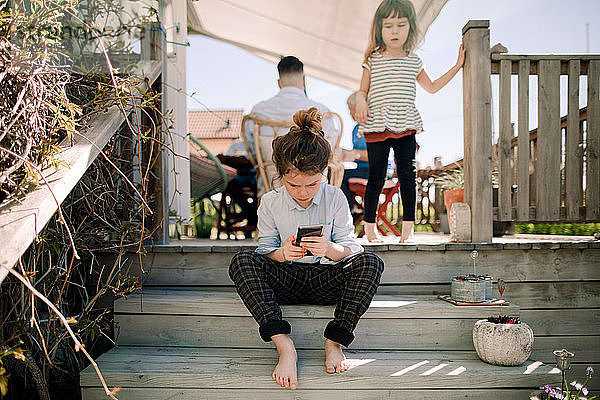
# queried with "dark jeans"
point(360, 172)
point(404, 153)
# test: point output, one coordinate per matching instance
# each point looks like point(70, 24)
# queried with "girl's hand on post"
point(291, 252)
point(362, 110)
point(461, 56)
point(317, 245)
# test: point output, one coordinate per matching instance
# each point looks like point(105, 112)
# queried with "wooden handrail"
point(21, 221)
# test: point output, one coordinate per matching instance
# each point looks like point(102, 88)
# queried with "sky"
point(222, 76)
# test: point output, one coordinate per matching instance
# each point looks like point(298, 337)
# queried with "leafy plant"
point(453, 179)
point(43, 101)
point(15, 352)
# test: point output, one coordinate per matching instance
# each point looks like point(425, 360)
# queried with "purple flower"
point(576, 385)
point(554, 393)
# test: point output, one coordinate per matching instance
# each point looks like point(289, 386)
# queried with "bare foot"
point(372, 233)
point(285, 372)
point(335, 360)
point(408, 232)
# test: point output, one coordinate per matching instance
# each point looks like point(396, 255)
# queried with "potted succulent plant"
point(471, 288)
point(502, 340)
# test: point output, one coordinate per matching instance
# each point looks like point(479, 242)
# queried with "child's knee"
point(369, 263)
point(240, 260)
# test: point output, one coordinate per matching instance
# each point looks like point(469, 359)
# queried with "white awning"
point(328, 36)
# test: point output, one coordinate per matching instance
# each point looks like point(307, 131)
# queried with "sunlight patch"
point(532, 367)
point(357, 362)
point(457, 371)
point(408, 369)
point(390, 304)
point(554, 371)
point(434, 369)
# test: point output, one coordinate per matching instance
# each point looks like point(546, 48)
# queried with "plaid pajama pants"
point(263, 284)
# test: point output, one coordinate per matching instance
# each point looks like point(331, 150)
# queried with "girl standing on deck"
point(385, 107)
point(279, 272)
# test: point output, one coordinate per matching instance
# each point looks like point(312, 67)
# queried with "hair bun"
point(309, 120)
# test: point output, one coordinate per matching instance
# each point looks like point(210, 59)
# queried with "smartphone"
point(304, 231)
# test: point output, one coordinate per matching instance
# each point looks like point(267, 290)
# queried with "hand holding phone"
point(307, 231)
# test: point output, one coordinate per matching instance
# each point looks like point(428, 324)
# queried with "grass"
point(579, 229)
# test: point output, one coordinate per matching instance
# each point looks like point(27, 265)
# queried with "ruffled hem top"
point(392, 92)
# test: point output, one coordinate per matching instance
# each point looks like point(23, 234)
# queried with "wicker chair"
point(263, 147)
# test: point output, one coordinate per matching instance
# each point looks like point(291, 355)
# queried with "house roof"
point(222, 124)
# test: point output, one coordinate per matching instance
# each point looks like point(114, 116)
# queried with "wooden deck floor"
point(194, 340)
point(420, 238)
point(222, 373)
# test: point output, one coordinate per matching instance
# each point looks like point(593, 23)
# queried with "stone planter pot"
point(450, 197)
point(471, 291)
point(502, 344)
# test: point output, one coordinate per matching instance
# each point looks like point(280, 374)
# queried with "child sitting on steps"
point(337, 271)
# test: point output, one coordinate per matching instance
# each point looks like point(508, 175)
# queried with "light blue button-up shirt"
point(279, 217)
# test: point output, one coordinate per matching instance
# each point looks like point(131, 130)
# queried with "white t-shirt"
point(282, 107)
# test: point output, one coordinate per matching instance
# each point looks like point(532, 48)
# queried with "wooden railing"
point(565, 172)
point(21, 221)
point(557, 164)
point(429, 201)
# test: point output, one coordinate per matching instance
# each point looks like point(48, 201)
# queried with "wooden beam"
point(477, 99)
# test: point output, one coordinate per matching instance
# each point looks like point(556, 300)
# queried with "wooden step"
point(224, 373)
point(177, 265)
point(194, 318)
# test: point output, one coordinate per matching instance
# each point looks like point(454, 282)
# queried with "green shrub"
point(577, 229)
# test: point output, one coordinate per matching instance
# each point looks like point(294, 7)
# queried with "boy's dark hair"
point(290, 65)
point(304, 148)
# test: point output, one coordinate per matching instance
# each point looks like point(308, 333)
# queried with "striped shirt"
point(392, 92)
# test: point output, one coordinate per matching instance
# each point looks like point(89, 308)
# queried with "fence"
point(559, 163)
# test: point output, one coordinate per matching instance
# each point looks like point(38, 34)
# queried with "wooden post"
point(477, 100)
point(151, 42)
point(152, 48)
point(548, 142)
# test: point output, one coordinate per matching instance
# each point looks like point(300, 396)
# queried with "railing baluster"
point(573, 152)
point(549, 141)
point(592, 198)
point(504, 141)
point(523, 143)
